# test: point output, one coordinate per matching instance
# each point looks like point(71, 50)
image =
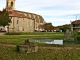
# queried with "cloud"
point(58, 12)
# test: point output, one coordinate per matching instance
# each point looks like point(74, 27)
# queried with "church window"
point(17, 21)
point(17, 28)
point(22, 28)
point(23, 22)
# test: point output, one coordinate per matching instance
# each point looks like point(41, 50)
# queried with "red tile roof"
point(16, 14)
point(22, 14)
point(76, 22)
point(27, 14)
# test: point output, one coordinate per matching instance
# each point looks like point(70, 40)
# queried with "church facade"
point(23, 21)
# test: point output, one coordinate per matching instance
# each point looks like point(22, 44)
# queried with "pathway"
point(12, 45)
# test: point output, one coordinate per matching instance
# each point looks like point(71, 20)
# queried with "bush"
point(76, 36)
point(13, 33)
point(17, 48)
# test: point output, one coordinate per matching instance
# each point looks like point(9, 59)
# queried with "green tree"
point(64, 27)
point(48, 26)
point(4, 18)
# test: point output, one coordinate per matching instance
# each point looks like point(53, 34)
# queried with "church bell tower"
point(10, 4)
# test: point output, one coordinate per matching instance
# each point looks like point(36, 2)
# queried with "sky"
point(58, 12)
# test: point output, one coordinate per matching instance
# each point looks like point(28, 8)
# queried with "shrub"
point(17, 48)
point(13, 33)
point(76, 36)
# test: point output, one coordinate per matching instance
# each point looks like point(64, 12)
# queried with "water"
point(49, 41)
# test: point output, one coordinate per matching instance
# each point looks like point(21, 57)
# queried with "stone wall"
point(28, 47)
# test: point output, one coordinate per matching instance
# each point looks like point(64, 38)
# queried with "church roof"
point(13, 13)
point(22, 14)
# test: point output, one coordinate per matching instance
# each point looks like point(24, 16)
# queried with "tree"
point(64, 27)
point(47, 26)
point(4, 18)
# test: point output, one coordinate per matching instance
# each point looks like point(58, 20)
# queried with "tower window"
point(11, 3)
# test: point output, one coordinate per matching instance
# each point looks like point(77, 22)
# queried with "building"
point(75, 25)
point(23, 21)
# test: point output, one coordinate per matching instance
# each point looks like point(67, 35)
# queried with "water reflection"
point(49, 41)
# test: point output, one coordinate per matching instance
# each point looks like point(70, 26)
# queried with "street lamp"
point(76, 25)
point(76, 16)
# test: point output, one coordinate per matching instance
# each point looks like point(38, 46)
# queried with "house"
point(75, 25)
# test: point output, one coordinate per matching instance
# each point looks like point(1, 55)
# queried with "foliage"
point(47, 26)
point(17, 48)
point(76, 36)
point(63, 27)
point(4, 18)
point(13, 33)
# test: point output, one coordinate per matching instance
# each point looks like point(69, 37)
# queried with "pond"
point(49, 41)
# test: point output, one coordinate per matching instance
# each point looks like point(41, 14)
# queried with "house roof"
point(76, 22)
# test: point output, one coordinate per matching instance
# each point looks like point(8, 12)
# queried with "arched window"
point(11, 4)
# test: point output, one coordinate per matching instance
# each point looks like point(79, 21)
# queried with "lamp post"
point(77, 22)
point(76, 16)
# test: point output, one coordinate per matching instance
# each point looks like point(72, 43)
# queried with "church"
point(23, 21)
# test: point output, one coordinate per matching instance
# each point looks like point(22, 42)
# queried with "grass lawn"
point(9, 53)
point(17, 39)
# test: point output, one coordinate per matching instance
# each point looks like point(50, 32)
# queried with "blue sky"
point(58, 12)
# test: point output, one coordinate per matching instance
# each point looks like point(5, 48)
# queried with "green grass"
point(40, 33)
point(9, 53)
point(72, 45)
point(17, 39)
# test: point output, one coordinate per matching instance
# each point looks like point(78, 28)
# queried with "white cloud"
point(58, 12)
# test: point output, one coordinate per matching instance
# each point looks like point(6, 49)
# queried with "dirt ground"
point(12, 45)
